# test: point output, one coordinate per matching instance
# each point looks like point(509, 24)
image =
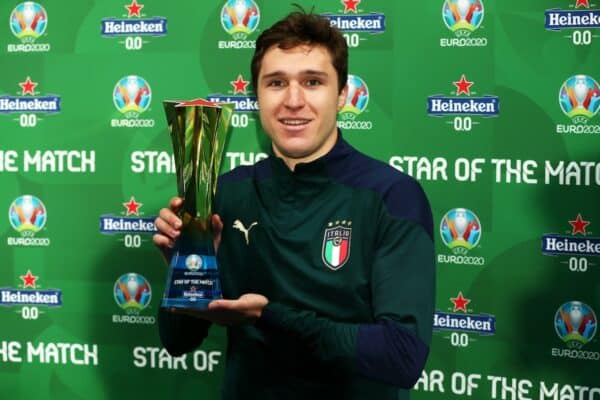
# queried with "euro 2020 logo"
point(132, 293)
point(575, 323)
point(240, 18)
point(27, 214)
point(28, 21)
point(460, 230)
point(463, 17)
point(132, 96)
point(193, 262)
point(357, 98)
point(579, 98)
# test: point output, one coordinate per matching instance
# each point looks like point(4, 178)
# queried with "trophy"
point(198, 130)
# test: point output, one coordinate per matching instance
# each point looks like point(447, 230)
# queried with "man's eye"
point(313, 82)
point(275, 83)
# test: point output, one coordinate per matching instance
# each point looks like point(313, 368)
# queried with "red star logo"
point(134, 9)
point(28, 87)
point(350, 5)
point(460, 303)
point(132, 206)
point(579, 225)
point(239, 85)
point(582, 3)
point(29, 280)
point(463, 86)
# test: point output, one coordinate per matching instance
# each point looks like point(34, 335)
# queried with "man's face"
point(299, 101)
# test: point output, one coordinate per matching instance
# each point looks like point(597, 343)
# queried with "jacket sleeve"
point(181, 333)
point(394, 348)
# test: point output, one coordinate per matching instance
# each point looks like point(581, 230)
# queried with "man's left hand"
point(247, 309)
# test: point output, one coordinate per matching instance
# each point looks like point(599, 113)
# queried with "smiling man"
point(326, 255)
point(299, 100)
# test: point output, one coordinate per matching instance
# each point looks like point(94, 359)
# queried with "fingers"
point(217, 226)
point(162, 241)
point(175, 204)
point(168, 225)
point(222, 304)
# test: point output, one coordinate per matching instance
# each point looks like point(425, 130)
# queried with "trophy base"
point(201, 304)
point(193, 279)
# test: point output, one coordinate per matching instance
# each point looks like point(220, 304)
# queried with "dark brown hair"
point(302, 28)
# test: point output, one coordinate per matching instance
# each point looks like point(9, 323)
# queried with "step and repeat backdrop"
point(492, 105)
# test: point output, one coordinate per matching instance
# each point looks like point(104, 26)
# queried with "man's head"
point(299, 73)
point(300, 28)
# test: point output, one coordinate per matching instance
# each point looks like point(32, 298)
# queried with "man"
point(326, 255)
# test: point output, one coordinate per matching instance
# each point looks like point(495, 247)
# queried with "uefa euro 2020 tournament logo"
point(132, 293)
point(575, 324)
point(357, 98)
point(27, 214)
point(28, 22)
point(356, 103)
point(579, 98)
point(463, 17)
point(460, 230)
point(240, 18)
point(193, 262)
point(132, 96)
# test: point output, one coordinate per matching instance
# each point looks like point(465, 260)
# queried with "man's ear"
point(342, 97)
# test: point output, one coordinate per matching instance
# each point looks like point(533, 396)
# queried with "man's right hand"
point(169, 228)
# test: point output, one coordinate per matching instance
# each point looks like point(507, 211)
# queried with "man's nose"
point(294, 96)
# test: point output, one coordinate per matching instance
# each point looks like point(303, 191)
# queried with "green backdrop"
point(492, 105)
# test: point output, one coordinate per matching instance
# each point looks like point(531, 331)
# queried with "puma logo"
point(237, 224)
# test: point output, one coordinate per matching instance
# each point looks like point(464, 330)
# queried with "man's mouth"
point(294, 121)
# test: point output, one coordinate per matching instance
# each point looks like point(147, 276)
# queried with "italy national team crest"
point(336, 244)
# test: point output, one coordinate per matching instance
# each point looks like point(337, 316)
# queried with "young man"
point(329, 286)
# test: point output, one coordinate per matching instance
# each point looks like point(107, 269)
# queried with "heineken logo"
point(336, 244)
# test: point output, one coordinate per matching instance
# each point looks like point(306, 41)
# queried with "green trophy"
point(198, 131)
